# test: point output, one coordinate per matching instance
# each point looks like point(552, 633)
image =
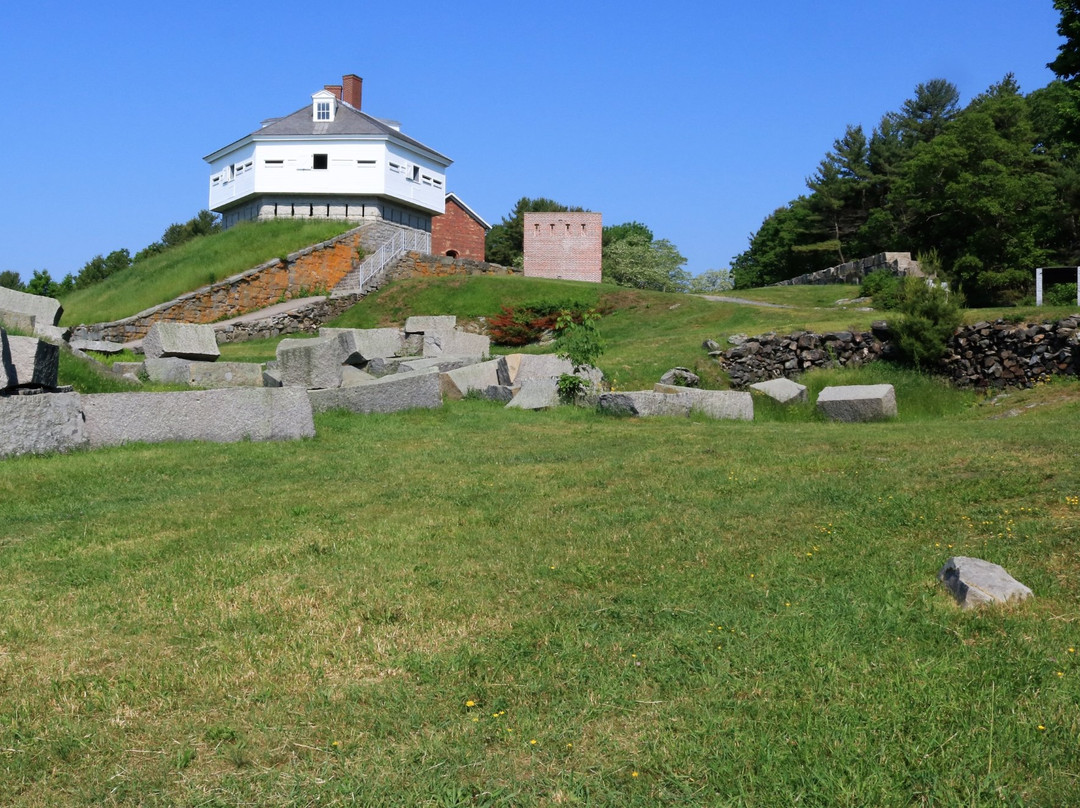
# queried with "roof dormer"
point(323, 106)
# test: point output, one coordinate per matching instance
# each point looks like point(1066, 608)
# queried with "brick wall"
point(457, 232)
point(563, 245)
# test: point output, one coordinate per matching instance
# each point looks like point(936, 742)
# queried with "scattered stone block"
point(858, 402)
point(783, 390)
point(271, 377)
point(219, 416)
point(508, 371)
point(368, 343)
point(18, 321)
point(536, 394)
point(644, 403)
point(96, 345)
point(29, 361)
point(456, 343)
point(351, 375)
point(442, 364)
point(414, 345)
point(399, 391)
point(181, 340)
point(457, 383)
point(539, 366)
point(168, 370)
point(726, 405)
point(430, 324)
point(500, 392)
point(975, 582)
point(44, 310)
point(124, 368)
point(37, 424)
point(383, 366)
point(681, 377)
point(225, 374)
point(313, 363)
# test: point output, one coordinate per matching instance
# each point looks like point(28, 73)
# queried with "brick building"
point(563, 245)
point(459, 232)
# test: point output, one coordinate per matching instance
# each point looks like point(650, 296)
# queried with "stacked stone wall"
point(420, 265)
point(983, 355)
point(319, 267)
point(853, 272)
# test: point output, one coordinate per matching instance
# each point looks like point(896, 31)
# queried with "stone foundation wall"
point(305, 320)
point(419, 265)
point(983, 355)
point(853, 272)
point(319, 267)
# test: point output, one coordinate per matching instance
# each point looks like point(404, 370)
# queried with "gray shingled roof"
point(347, 121)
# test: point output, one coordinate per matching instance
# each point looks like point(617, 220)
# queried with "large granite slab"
point(44, 310)
point(181, 340)
point(50, 422)
point(858, 402)
point(399, 391)
point(28, 362)
point(220, 416)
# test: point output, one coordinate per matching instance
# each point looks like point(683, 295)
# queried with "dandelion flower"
point(470, 703)
point(633, 774)
point(533, 742)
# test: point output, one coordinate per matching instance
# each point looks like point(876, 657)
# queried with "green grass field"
point(189, 266)
point(475, 606)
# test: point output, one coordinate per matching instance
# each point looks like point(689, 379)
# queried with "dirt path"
point(743, 300)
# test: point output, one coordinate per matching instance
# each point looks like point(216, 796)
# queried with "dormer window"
point(323, 106)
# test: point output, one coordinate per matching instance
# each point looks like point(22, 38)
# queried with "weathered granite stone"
point(710, 345)
point(728, 405)
point(508, 371)
point(168, 370)
point(500, 392)
point(36, 424)
point(430, 324)
point(383, 366)
point(398, 391)
point(783, 390)
point(681, 377)
point(858, 402)
point(18, 321)
point(182, 340)
point(135, 368)
point(536, 394)
point(226, 374)
point(737, 339)
point(220, 416)
point(457, 383)
point(97, 345)
point(368, 343)
point(44, 310)
point(456, 343)
point(440, 363)
point(644, 403)
point(131, 377)
point(29, 361)
point(352, 375)
point(540, 366)
point(975, 582)
point(414, 345)
point(313, 363)
point(271, 377)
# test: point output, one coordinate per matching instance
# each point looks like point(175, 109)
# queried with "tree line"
point(101, 267)
point(993, 187)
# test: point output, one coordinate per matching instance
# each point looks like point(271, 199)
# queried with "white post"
point(1038, 286)
point(1078, 286)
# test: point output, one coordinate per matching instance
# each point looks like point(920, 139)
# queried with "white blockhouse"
point(329, 160)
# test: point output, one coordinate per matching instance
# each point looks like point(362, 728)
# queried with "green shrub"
point(929, 315)
point(1060, 294)
point(884, 287)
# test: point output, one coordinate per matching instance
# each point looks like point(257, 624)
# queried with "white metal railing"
point(404, 240)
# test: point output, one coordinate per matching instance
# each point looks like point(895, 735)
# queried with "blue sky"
point(696, 118)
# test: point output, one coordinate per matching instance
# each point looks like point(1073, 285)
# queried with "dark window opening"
point(451, 253)
point(319, 161)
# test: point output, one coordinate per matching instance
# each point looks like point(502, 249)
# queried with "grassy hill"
point(482, 607)
point(196, 263)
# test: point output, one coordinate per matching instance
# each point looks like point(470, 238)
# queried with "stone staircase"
point(394, 240)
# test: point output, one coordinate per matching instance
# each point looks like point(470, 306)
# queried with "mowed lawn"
point(476, 606)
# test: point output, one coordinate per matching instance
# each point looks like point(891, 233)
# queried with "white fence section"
point(371, 268)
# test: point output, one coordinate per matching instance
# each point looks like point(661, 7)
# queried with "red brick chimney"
point(353, 86)
point(334, 88)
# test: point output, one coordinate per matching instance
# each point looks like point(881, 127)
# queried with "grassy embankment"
point(475, 606)
point(197, 263)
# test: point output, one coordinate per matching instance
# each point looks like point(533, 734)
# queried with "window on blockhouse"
point(322, 111)
point(319, 161)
